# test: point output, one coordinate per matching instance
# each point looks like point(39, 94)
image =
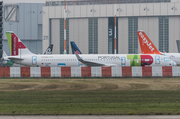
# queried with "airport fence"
point(164, 71)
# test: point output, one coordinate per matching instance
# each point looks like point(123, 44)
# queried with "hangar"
point(90, 23)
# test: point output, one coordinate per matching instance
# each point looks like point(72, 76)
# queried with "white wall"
point(150, 25)
point(174, 33)
point(55, 35)
point(102, 35)
point(78, 32)
point(123, 35)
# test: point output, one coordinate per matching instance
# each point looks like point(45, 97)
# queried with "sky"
point(23, 1)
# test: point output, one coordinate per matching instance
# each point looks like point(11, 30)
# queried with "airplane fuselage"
point(174, 57)
point(107, 59)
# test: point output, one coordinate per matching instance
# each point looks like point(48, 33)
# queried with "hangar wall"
point(55, 34)
point(123, 35)
point(102, 35)
point(174, 33)
point(28, 26)
point(149, 16)
point(150, 25)
point(78, 32)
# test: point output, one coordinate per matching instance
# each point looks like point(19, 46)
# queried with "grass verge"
point(89, 97)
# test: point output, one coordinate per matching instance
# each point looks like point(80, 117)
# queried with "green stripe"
point(9, 41)
point(133, 60)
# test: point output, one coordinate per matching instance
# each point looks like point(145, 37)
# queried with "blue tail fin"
point(75, 48)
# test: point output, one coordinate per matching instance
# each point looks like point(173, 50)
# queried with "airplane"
point(11, 63)
point(22, 55)
point(147, 47)
point(75, 48)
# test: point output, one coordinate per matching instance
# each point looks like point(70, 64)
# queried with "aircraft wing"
point(89, 63)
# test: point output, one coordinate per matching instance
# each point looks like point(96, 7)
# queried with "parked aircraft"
point(21, 55)
point(75, 48)
point(147, 47)
point(11, 63)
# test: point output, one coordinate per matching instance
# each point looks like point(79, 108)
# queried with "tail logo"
point(146, 41)
point(14, 52)
point(77, 52)
point(16, 45)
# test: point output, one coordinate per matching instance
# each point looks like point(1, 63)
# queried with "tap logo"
point(16, 45)
point(146, 41)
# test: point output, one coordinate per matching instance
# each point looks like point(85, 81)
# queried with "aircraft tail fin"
point(16, 45)
point(4, 54)
point(49, 50)
point(147, 47)
point(75, 48)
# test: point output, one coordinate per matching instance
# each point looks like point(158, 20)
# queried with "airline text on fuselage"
point(108, 57)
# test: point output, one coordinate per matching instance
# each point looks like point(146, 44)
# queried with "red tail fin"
point(16, 44)
point(147, 47)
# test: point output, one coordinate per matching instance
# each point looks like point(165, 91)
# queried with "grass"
point(91, 96)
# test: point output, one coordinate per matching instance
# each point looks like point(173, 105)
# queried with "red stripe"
point(106, 71)
point(126, 71)
point(167, 71)
point(115, 43)
point(64, 44)
point(65, 71)
point(25, 71)
point(86, 71)
point(146, 71)
point(45, 72)
point(4, 71)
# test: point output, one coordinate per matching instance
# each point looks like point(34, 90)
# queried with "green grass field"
point(90, 96)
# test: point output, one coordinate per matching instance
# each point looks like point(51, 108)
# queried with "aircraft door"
point(123, 61)
point(157, 59)
point(34, 59)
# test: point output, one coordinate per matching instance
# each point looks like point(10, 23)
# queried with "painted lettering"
point(146, 41)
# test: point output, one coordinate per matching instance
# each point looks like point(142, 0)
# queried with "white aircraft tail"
point(16, 46)
point(4, 54)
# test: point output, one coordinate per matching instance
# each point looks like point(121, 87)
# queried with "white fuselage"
point(174, 57)
point(107, 59)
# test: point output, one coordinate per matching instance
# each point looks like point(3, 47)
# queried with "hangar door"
point(55, 35)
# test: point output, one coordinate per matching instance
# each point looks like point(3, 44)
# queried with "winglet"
point(147, 47)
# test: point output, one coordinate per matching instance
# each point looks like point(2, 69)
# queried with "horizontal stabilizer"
point(15, 59)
